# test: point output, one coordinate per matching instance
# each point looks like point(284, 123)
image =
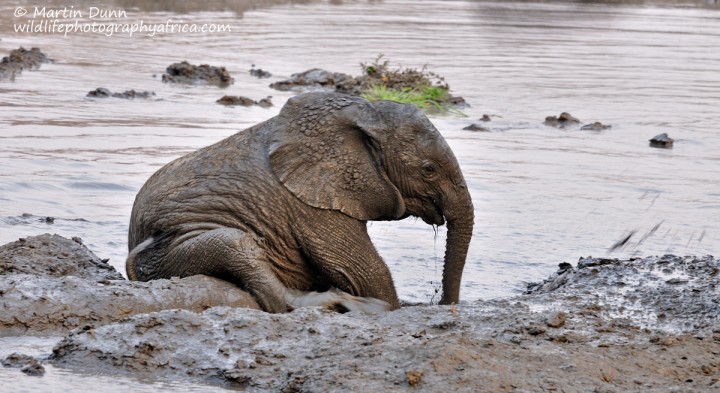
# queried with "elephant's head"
point(374, 161)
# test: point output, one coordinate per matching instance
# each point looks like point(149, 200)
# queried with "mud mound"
point(187, 73)
point(54, 256)
point(484, 347)
point(21, 59)
point(50, 284)
point(669, 292)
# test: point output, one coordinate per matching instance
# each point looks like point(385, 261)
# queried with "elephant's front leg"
point(340, 248)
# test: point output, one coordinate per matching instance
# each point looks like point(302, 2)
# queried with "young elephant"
point(280, 209)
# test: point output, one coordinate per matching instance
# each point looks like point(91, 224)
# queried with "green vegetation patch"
point(418, 87)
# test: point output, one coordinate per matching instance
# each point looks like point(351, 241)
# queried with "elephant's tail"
point(131, 261)
point(143, 261)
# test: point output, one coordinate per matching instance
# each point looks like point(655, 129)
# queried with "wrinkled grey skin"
point(281, 208)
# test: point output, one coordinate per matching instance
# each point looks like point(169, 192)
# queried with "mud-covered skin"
point(284, 204)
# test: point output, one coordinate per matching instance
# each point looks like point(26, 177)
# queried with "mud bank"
point(50, 285)
point(604, 325)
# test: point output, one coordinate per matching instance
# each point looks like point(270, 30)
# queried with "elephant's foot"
point(337, 300)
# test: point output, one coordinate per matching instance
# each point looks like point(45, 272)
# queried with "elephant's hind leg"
point(233, 255)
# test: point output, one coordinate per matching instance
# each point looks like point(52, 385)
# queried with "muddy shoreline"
point(603, 325)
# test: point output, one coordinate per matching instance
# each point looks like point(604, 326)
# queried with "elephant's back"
point(208, 187)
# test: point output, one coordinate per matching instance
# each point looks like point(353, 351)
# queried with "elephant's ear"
point(326, 150)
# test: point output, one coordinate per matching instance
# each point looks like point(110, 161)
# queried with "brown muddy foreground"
point(604, 325)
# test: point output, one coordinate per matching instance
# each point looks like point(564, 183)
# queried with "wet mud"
point(50, 285)
point(21, 59)
point(102, 92)
point(603, 325)
point(186, 73)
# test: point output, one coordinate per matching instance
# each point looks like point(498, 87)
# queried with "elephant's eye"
point(428, 167)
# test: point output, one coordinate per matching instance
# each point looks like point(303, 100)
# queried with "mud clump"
point(102, 92)
point(54, 256)
point(27, 364)
point(244, 101)
point(476, 127)
point(21, 59)
point(662, 141)
point(564, 120)
point(259, 72)
point(596, 126)
point(186, 73)
point(313, 78)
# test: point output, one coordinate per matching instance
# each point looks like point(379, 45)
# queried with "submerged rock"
point(244, 101)
point(597, 126)
point(21, 59)
point(313, 78)
point(259, 72)
point(564, 120)
point(662, 141)
point(187, 73)
point(102, 92)
point(27, 364)
point(476, 127)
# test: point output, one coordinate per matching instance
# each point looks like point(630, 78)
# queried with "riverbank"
point(603, 325)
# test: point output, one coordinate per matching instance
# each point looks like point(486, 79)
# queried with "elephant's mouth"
point(426, 209)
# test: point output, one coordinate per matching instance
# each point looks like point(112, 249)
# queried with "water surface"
point(542, 195)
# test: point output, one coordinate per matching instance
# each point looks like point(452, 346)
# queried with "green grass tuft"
point(429, 98)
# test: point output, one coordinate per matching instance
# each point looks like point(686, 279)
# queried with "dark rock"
point(102, 92)
point(315, 77)
point(34, 368)
point(476, 127)
point(485, 117)
point(187, 73)
point(244, 101)
point(265, 102)
point(662, 141)
point(27, 364)
point(564, 120)
point(259, 73)
point(235, 100)
point(597, 126)
point(21, 59)
point(17, 360)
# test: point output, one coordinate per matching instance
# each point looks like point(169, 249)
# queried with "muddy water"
point(542, 195)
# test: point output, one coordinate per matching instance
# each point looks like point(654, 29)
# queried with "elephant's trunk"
point(460, 217)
